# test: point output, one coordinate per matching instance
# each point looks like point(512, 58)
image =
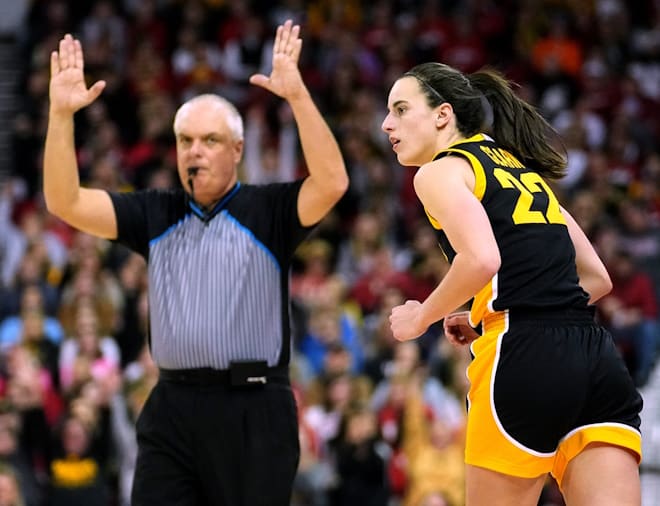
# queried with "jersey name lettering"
point(502, 157)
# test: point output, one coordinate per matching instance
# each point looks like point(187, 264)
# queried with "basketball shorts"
point(543, 386)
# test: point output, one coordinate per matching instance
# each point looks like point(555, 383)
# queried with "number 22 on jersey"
point(529, 185)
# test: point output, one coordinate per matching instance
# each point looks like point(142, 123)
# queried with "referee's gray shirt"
point(218, 281)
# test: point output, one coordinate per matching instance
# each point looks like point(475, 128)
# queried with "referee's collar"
point(207, 216)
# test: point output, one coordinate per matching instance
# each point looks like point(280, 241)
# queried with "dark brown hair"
point(516, 125)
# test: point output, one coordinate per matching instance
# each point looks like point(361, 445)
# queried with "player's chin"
point(406, 161)
point(408, 158)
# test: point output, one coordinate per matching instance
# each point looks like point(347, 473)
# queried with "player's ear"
point(443, 113)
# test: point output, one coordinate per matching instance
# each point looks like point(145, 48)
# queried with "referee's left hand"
point(285, 80)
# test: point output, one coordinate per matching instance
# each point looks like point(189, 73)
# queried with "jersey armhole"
point(477, 168)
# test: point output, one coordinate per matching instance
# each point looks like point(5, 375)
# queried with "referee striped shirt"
point(218, 281)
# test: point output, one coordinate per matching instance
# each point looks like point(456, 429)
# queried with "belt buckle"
point(248, 373)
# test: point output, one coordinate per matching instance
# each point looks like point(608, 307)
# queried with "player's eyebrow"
point(398, 102)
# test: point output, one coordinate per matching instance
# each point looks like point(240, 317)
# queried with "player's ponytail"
point(518, 127)
point(485, 102)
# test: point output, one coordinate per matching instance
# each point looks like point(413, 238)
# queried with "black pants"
point(215, 445)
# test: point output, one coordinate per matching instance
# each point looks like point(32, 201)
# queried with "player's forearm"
point(594, 278)
point(61, 180)
point(320, 148)
point(465, 278)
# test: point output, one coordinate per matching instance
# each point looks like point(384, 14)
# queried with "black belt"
point(239, 374)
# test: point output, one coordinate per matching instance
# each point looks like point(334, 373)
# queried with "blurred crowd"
point(381, 422)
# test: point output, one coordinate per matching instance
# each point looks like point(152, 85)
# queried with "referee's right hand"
point(68, 91)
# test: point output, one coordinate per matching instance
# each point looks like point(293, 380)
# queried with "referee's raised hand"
point(285, 80)
point(68, 90)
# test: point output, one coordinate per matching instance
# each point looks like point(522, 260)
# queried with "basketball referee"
point(220, 427)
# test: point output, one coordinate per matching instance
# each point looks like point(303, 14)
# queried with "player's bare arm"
point(593, 275)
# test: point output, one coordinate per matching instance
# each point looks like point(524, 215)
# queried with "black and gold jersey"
point(537, 255)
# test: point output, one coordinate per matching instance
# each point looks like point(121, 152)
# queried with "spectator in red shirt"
point(631, 314)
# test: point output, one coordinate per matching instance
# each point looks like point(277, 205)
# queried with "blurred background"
point(381, 423)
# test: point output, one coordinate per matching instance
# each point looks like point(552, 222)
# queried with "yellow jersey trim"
point(477, 168)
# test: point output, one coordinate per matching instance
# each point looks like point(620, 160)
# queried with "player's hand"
point(404, 321)
point(285, 79)
point(68, 91)
point(458, 330)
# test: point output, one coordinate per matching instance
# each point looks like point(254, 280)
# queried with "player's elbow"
point(606, 284)
point(601, 285)
point(486, 264)
point(594, 279)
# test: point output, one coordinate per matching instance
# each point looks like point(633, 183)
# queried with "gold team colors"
point(540, 350)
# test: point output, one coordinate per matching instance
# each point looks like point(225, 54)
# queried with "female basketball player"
point(549, 392)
